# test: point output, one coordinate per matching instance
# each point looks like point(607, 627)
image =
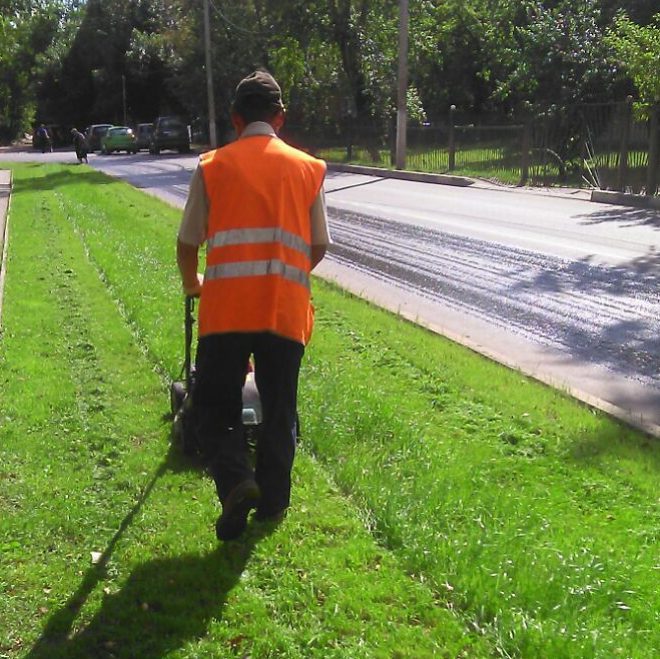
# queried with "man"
point(45, 140)
point(258, 205)
point(80, 145)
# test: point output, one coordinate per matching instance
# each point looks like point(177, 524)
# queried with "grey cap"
point(259, 83)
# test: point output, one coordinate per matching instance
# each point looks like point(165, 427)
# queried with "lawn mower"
point(181, 395)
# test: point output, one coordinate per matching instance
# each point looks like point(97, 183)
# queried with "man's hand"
point(186, 256)
point(193, 289)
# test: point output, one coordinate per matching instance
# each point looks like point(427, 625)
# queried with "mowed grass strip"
point(106, 533)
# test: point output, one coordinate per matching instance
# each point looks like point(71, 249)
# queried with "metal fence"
point(602, 145)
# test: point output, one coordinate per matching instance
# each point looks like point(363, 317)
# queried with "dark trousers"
point(221, 366)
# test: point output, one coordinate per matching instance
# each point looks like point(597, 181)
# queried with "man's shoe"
point(235, 510)
point(275, 516)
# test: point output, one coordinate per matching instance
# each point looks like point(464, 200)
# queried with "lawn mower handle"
point(189, 322)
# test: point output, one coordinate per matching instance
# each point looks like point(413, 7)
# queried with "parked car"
point(118, 138)
point(94, 133)
point(169, 133)
point(143, 135)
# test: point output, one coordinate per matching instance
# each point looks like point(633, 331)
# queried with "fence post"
point(392, 141)
point(652, 168)
point(622, 173)
point(524, 155)
point(452, 139)
point(349, 140)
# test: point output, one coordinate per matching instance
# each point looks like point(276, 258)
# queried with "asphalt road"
point(553, 284)
point(547, 282)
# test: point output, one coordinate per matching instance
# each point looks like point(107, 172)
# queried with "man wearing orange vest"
point(258, 205)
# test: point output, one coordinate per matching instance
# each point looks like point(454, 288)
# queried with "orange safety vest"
point(258, 248)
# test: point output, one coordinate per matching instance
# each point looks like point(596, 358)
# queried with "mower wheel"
point(177, 395)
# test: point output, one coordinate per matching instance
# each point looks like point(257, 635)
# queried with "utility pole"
point(209, 76)
point(401, 113)
point(123, 95)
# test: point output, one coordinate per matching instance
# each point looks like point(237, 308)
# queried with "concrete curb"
point(420, 177)
point(599, 196)
point(624, 199)
point(5, 195)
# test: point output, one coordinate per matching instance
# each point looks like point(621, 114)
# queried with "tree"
point(638, 53)
point(27, 31)
point(558, 58)
point(335, 59)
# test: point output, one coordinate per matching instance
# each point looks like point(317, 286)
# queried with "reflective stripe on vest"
point(266, 235)
point(257, 269)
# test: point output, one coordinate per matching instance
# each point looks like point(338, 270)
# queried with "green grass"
point(485, 163)
point(495, 164)
point(442, 505)
point(538, 516)
point(92, 334)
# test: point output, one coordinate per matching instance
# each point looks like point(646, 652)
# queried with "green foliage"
point(557, 57)
point(27, 31)
point(336, 59)
point(414, 107)
point(638, 53)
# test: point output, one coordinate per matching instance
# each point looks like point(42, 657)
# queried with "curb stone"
point(420, 177)
point(5, 193)
point(598, 196)
point(624, 199)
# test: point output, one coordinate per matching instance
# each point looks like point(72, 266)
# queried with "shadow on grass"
point(163, 604)
point(616, 439)
point(51, 181)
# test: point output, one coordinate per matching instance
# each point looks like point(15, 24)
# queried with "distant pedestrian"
point(80, 144)
point(45, 140)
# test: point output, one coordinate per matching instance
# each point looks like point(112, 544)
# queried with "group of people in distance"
point(79, 142)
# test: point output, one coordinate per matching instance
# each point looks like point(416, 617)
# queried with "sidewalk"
point(5, 189)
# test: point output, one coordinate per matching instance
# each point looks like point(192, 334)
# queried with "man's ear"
point(278, 120)
point(238, 123)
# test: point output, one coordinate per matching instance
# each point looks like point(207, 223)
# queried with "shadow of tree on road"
point(630, 343)
point(585, 275)
point(628, 217)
